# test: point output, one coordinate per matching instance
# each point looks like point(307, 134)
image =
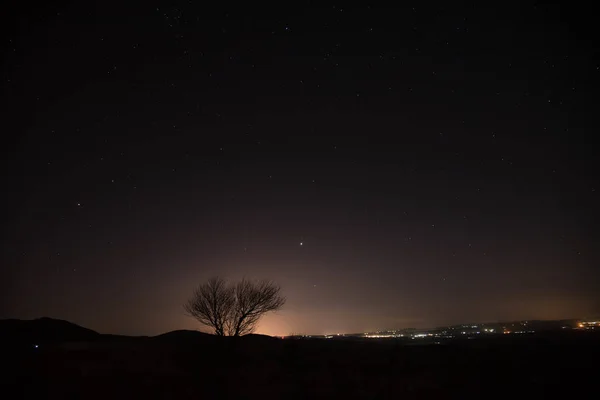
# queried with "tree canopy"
point(233, 309)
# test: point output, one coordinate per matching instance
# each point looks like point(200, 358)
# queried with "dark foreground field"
point(188, 365)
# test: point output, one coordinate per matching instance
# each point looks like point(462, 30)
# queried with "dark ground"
point(192, 365)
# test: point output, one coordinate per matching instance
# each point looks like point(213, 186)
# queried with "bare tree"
point(234, 310)
point(212, 304)
point(252, 301)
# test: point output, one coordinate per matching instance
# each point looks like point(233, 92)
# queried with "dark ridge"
point(183, 335)
point(258, 337)
point(107, 337)
point(43, 331)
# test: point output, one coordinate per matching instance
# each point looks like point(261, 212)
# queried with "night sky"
point(388, 167)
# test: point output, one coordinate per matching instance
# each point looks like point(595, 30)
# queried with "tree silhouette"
point(233, 310)
point(212, 304)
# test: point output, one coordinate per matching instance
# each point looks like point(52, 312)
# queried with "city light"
point(472, 331)
point(588, 325)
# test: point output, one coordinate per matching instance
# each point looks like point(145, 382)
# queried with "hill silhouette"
point(43, 331)
point(184, 337)
point(182, 334)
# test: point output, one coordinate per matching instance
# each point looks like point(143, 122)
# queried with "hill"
point(184, 338)
point(43, 331)
point(182, 334)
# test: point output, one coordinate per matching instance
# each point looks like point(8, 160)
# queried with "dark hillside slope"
point(43, 331)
